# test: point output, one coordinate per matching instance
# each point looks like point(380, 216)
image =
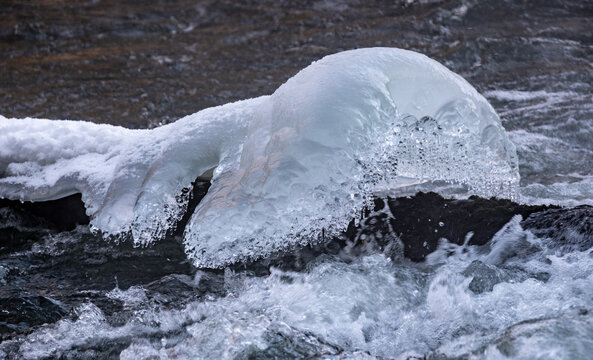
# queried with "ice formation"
point(288, 167)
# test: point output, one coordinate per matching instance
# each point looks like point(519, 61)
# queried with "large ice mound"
point(290, 167)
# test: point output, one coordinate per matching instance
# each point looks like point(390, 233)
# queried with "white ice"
point(288, 167)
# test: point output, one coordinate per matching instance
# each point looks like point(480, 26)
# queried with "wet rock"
point(12, 240)
point(71, 268)
point(61, 214)
point(563, 230)
point(284, 342)
point(420, 221)
point(484, 276)
point(172, 290)
point(197, 192)
point(18, 313)
point(100, 349)
point(18, 229)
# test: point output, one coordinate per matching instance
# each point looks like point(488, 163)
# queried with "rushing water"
point(526, 294)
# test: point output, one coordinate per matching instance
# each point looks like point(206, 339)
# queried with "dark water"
point(137, 64)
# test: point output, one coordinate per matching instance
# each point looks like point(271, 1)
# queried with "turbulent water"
point(516, 285)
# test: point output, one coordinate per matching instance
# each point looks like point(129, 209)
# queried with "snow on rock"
point(288, 168)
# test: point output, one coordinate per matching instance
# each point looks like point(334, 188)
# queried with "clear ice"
point(289, 168)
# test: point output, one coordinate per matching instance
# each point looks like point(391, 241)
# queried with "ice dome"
point(289, 168)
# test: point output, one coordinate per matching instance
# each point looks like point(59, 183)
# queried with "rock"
point(484, 276)
point(19, 313)
point(422, 220)
point(409, 227)
point(61, 214)
point(417, 223)
point(69, 268)
point(563, 230)
point(284, 342)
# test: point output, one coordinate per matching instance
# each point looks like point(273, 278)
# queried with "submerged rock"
point(285, 342)
point(484, 276)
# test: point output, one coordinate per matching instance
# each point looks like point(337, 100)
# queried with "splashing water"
point(516, 297)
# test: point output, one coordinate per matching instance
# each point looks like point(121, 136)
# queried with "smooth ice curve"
point(288, 167)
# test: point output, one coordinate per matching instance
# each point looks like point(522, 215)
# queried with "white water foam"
point(531, 302)
point(287, 167)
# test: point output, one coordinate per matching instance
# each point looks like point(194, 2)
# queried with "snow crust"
point(290, 167)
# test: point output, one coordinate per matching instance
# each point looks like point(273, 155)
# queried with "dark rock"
point(284, 342)
point(19, 313)
point(66, 213)
point(422, 220)
point(77, 267)
point(412, 225)
point(99, 349)
point(563, 230)
point(484, 276)
point(196, 194)
point(62, 214)
point(172, 290)
point(12, 240)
